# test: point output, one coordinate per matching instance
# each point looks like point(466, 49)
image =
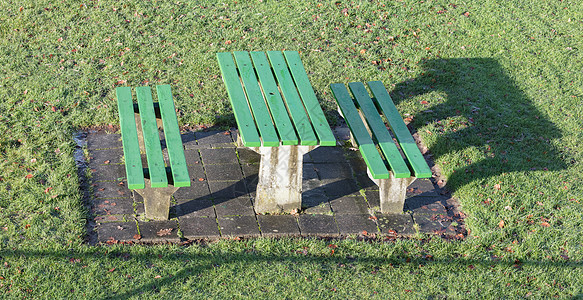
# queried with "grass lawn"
point(494, 89)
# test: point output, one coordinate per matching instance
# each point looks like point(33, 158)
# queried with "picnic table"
point(279, 117)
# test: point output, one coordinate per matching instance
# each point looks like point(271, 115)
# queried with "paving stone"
point(214, 138)
point(199, 227)
point(189, 141)
point(421, 187)
point(240, 206)
point(315, 202)
point(307, 158)
point(284, 225)
point(343, 187)
point(425, 206)
point(239, 226)
point(159, 231)
point(321, 225)
point(113, 206)
point(356, 223)
point(139, 209)
point(223, 172)
point(116, 231)
point(333, 171)
point(196, 190)
point(108, 173)
point(431, 224)
point(349, 205)
point(227, 189)
point(327, 155)
point(103, 141)
point(195, 208)
point(195, 172)
point(364, 182)
point(105, 157)
point(112, 218)
point(309, 171)
point(219, 156)
point(192, 157)
point(358, 165)
point(248, 156)
point(110, 189)
point(402, 224)
point(373, 199)
point(312, 184)
point(251, 176)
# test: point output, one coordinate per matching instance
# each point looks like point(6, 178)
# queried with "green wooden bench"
point(367, 127)
point(279, 117)
point(139, 130)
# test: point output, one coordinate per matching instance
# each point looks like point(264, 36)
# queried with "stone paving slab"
point(338, 197)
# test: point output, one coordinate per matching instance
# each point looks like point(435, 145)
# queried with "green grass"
point(494, 90)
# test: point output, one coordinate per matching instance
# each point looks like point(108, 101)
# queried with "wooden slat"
point(367, 148)
point(176, 156)
point(309, 99)
point(129, 136)
point(156, 167)
point(377, 126)
point(279, 113)
point(292, 99)
point(406, 141)
point(258, 107)
point(243, 117)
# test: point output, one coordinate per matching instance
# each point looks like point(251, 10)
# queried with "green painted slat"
point(279, 113)
point(377, 126)
point(245, 122)
point(129, 136)
point(292, 99)
point(418, 163)
point(256, 101)
point(365, 143)
point(309, 98)
point(156, 166)
point(176, 156)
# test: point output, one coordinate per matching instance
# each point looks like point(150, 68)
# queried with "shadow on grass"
point(477, 105)
point(196, 265)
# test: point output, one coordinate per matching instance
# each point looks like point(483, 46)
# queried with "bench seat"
point(387, 167)
point(139, 130)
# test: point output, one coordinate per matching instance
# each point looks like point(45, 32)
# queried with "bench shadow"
point(478, 107)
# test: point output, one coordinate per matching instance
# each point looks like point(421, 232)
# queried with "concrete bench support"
point(392, 192)
point(279, 188)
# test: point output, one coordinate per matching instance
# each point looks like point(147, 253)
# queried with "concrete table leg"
point(392, 193)
point(279, 188)
point(157, 201)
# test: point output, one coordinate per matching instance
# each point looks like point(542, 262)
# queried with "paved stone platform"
point(338, 198)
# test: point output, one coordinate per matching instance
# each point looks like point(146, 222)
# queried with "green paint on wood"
point(292, 99)
point(172, 135)
point(156, 167)
point(406, 141)
point(256, 101)
point(380, 132)
point(365, 143)
point(309, 99)
point(129, 136)
point(278, 110)
point(243, 117)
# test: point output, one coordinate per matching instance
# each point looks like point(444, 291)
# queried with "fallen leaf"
point(424, 102)
point(158, 276)
point(497, 186)
point(48, 189)
point(545, 224)
point(137, 237)
point(111, 270)
point(363, 51)
point(28, 176)
point(201, 179)
point(163, 232)
point(501, 224)
point(106, 162)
